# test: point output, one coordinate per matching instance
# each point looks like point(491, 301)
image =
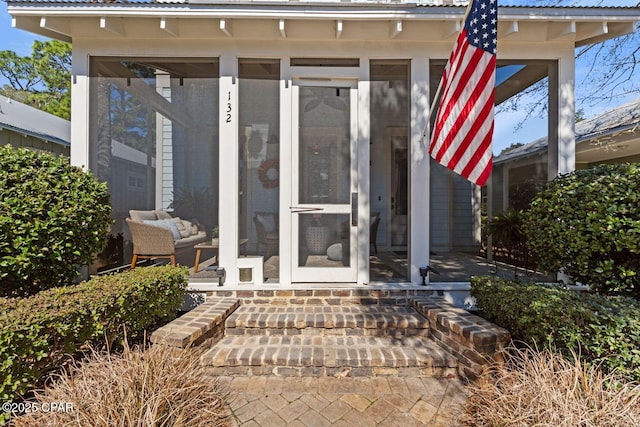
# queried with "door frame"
point(360, 76)
point(298, 210)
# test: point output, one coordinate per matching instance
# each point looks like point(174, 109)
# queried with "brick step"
point(202, 325)
point(323, 297)
point(329, 355)
point(344, 320)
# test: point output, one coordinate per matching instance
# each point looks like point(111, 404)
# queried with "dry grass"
point(540, 388)
point(156, 387)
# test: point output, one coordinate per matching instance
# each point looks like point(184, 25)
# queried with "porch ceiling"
point(311, 21)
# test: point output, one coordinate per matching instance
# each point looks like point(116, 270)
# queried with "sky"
point(534, 127)
point(504, 133)
point(13, 39)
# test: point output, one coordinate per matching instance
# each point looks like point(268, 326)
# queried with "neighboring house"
point(611, 137)
point(25, 126)
point(306, 115)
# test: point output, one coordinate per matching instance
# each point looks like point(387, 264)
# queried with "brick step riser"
point(324, 332)
point(315, 355)
point(329, 301)
point(391, 317)
point(327, 323)
point(340, 371)
point(301, 357)
point(344, 363)
point(322, 297)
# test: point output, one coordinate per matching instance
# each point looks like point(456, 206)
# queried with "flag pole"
point(423, 136)
point(431, 108)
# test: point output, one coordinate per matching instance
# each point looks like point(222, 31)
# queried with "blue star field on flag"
point(481, 25)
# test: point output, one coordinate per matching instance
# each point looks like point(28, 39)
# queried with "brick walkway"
point(272, 401)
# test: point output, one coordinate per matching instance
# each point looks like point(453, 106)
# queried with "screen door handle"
point(300, 209)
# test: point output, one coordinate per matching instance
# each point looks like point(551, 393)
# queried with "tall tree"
point(613, 68)
point(42, 80)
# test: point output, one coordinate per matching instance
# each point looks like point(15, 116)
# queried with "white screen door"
point(324, 181)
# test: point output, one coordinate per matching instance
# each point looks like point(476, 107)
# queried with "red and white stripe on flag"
point(463, 129)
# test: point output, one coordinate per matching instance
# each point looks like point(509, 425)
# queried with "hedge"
point(55, 217)
point(604, 330)
point(39, 333)
point(588, 223)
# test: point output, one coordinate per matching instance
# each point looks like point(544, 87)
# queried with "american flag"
point(461, 138)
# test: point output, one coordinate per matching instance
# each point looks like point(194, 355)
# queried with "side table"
point(213, 244)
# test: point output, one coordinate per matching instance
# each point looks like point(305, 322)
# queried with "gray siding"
point(440, 207)
point(452, 211)
point(16, 140)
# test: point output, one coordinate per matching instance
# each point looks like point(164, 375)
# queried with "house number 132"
point(228, 107)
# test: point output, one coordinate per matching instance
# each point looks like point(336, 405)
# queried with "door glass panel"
point(324, 240)
point(259, 161)
point(325, 139)
point(153, 139)
point(390, 168)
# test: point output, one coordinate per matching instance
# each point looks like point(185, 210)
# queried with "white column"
point(476, 206)
point(80, 119)
point(363, 156)
point(566, 113)
point(490, 213)
point(286, 173)
point(164, 148)
point(419, 169)
point(561, 140)
point(228, 168)
point(505, 187)
point(565, 156)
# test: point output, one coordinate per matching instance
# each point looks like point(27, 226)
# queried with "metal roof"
point(30, 121)
point(427, 21)
point(336, 3)
point(616, 120)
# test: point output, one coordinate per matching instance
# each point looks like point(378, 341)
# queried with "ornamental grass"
point(543, 388)
point(159, 386)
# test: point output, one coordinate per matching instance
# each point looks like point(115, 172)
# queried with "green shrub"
point(604, 330)
point(55, 217)
point(41, 332)
point(588, 223)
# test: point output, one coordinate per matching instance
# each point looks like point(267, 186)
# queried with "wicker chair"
point(150, 241)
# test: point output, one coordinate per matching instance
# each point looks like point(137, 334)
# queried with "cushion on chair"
point(268, 222)
point(184, 227)
point(168, 224)
point(192, 229)
point(199, 237)
point(162, 215)
point(141, 216)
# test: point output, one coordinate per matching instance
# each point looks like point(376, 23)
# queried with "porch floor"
point(392, 267)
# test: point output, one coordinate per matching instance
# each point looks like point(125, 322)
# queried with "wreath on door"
point(269, 173)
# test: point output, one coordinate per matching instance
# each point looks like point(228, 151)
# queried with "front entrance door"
point(324, 181)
